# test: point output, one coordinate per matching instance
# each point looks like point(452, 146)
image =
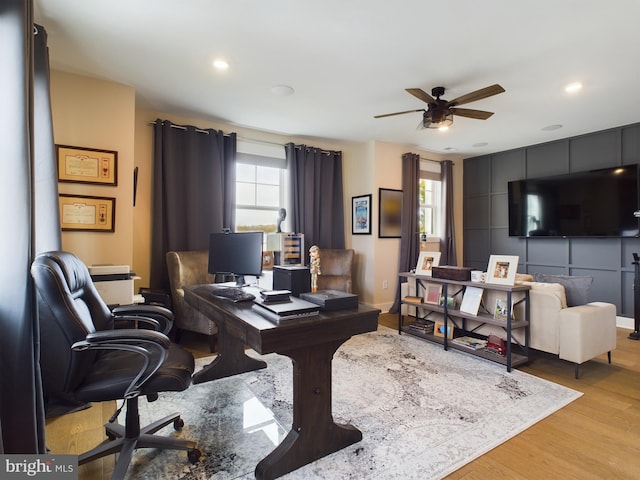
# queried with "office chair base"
point(118, 442)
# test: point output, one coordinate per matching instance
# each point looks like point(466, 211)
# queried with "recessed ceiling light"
point(220, 64)
point(480, 144)
point(550, 128)
point(282, 90)
point(573, 87)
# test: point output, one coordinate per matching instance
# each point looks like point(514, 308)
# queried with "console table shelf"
point(452, 317)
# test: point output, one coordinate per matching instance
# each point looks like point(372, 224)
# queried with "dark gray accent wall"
point(486, 229)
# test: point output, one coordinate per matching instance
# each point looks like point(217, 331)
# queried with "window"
point(260, 188)
point(429, 201)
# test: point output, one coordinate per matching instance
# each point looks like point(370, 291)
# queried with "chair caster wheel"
point(194, 455)
point(178, 423)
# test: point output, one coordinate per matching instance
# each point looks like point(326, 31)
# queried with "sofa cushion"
point(554, 289)
point(576, 288)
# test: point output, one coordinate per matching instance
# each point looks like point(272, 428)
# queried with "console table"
point(458, 320)
point(311, 344)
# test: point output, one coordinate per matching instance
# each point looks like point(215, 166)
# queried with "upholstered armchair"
point(190, 268)
point(89, 353)
point(336, 270)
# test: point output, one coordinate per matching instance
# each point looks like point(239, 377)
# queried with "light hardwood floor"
point(595, 437)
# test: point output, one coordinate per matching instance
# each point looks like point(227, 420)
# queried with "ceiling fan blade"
point(421, 94)
point(468, 112)
point(399, 113)
point(477, 95)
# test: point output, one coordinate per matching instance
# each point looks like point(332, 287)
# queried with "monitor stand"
point(240, 282)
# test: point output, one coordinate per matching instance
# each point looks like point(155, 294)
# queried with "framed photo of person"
point(502, 269)
point(427, 260)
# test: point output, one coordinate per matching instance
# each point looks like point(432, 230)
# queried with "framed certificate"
point(87, 165)
point(87, 214)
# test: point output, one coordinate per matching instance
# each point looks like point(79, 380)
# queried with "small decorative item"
point(451, 302)
point(87, 165)
point(282, 214)
point(314, 266)
point(90, 214)
point(361, 215)
point(439, 329)
point(432, 293)
point(267, 259)
point(501, 309)
point(389, 213)
point(426, 261)
point(502, 269)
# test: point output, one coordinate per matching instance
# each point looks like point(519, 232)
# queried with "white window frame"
point(430, 170)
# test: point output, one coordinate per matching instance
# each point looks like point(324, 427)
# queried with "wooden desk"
point(311, 344)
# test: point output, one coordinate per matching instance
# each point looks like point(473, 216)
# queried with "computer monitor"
point(238, 254)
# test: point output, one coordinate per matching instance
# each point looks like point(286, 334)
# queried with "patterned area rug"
point(424, 412)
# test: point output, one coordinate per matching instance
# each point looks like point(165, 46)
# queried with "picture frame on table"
point(426, 261)
point(87, 165)
point(389, 213)
point(361, 215)
point(439, 329)
point(432, 293)
point(87, 214)
point(267, 259)
point(502, 269)
point(501, 308)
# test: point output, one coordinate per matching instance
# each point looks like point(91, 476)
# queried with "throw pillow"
point(576, 288)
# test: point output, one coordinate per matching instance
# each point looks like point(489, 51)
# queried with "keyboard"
point(234, 294)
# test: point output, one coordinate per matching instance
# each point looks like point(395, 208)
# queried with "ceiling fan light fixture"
point(441, 122)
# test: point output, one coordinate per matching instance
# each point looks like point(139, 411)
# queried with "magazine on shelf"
point(470, 342)
point(471, 300)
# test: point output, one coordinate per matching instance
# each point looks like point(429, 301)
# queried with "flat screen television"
point(594, 203)
point(238, 254)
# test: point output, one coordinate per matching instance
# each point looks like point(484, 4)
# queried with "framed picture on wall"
point(361, 215)
point(389, 213)
point(88, 214)
point(87, 165)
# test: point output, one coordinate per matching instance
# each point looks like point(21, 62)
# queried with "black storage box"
point(330, 300)
point(449, 272)
point(296, 279)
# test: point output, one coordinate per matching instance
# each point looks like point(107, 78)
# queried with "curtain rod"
point(429, 160)
point(181, 127)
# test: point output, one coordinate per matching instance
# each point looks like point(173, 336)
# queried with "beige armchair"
point(190, 268)
point(336, 269)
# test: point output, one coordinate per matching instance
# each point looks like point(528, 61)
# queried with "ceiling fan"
point(440, 112)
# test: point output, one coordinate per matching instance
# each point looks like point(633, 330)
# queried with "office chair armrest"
point(151, 345)
point(162, 315)
point(122, 322)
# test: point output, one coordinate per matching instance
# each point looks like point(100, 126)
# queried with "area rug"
point(424, 412)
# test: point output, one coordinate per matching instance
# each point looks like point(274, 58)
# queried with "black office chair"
point(85, 357)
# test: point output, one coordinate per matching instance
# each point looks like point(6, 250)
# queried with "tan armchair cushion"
point(335, 270)
point(189, 268)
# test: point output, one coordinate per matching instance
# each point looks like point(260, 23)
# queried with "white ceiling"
point(349, 60)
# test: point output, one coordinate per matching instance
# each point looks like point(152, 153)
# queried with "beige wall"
point(99, 114)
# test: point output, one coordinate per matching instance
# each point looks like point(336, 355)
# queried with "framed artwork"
point(389, 213)
point(439, 330)
point(502, 269)
point(87, 214)
point(361, 215)
point(427, 260)
point(267, 259)
point(471, 300)
point(501, 309)
point(87, 165)
point(432, 293)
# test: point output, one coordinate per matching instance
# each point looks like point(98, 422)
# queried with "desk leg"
point(231, 359)
point(313, 434)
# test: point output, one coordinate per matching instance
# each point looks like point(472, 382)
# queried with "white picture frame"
point(426, 261)
point(502, 269)
point(471, 300)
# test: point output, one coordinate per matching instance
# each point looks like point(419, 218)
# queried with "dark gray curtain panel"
point(193, 191)
point(317, 195)
point(409, 236)
point(448, 240)
point(28, 195)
